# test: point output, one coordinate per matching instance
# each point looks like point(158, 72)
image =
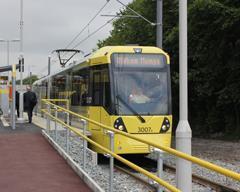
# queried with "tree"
point(28, 80)
point(214, 57)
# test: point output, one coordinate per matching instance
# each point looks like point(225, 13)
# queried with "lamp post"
point(183, 132)
point(21, 60)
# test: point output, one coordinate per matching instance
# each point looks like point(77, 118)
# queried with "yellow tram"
point(126, 87)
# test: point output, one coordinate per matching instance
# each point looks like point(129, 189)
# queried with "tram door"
point(95, 109)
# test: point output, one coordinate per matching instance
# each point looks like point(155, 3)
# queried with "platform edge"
point(77, 169)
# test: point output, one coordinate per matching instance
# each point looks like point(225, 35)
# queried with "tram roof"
point(105, 52)
point(103, 56)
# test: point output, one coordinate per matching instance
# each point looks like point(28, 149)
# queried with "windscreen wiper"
point(131, 109)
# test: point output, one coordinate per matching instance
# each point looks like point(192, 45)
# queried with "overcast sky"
point(50, 25)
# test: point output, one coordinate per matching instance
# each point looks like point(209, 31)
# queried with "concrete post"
point(183, 132)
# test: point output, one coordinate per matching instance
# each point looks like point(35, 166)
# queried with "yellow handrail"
point(130, 164)
point(58, 100)
point(185, 156)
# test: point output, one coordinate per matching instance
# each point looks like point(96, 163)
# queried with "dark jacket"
point(17, 99)
point(30, 100)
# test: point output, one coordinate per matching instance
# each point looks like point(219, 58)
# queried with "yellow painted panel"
point(4, 91)
point(153, 123)
point(126, 145)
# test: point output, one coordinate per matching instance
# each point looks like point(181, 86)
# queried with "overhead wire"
point(98, 29)
point(138, 14)
point(87, 25)
point(127, 7)
point(102, 26)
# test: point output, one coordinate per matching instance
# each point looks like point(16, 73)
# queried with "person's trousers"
point(29, 111)
point(17, 108)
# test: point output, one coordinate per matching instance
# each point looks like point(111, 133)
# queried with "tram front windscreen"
point(141, 84)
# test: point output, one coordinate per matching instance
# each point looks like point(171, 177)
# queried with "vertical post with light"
point(21, 62)
point(159, 39)
point(183, 132)
point(159, 23)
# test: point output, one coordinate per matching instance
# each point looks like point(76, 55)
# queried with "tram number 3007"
point(145, 130)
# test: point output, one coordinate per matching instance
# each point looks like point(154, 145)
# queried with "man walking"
point(30, 100)
point(17, 103)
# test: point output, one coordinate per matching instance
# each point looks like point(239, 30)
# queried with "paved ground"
point(29, 163)
point(20, 128)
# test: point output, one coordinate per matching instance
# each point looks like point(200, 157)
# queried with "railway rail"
point(151, 187)
point(203, 181)
point(145, 162)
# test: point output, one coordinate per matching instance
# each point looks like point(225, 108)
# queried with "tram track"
point(172, 170)
point(203, 181)
point(151, 187)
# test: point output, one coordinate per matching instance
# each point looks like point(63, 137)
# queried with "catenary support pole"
point(21, 119)
point(159, 23)
point(159, 44)
point(183, 132)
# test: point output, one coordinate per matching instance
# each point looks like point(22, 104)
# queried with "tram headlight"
point(119, 124)
point(165, 125)
point(120, 127)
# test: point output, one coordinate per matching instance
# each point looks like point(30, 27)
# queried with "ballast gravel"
point(125, 183)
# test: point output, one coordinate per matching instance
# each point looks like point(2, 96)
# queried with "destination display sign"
point(139, 60)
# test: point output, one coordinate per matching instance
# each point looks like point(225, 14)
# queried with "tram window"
point(96, 94)
point(106, 90)
point(80, 91)
point(100, 92)
point(43, 89)
point(59, 86)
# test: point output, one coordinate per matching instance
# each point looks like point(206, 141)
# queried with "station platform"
point(29, 163)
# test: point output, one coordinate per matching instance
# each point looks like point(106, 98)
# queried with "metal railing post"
point(56, 116)
point(67, 141)
point(84, 122)
point(160, 166)
point(48, 119)
point(111, 135)
point(13, 119)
